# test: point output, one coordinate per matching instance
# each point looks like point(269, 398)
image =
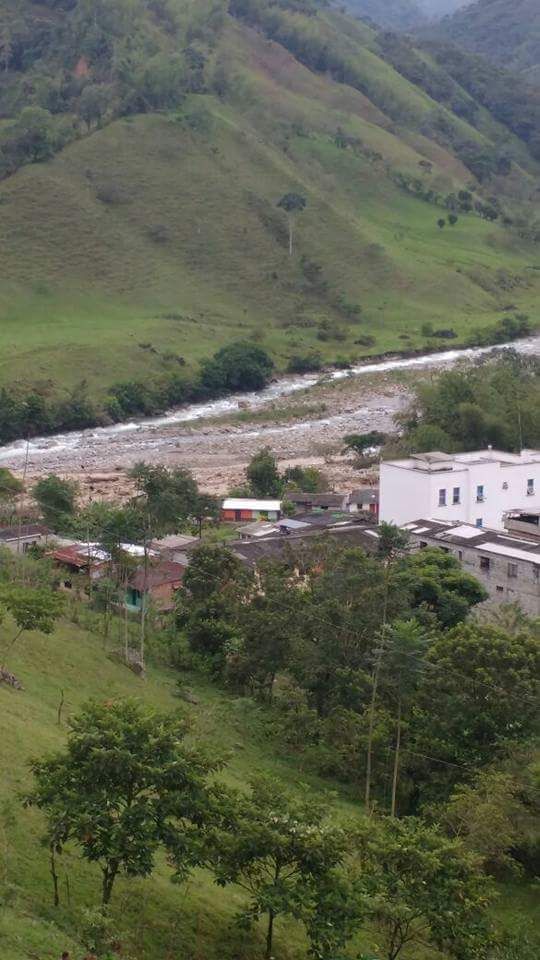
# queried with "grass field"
point(159, 236)
point(157, 920)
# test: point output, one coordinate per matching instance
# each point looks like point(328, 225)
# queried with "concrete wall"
point(407, 494)
point(523, 589)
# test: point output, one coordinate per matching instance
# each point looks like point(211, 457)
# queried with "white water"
point(281, 388)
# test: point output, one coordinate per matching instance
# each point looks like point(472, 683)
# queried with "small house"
point(318, 501)
point(85, 558)
point(19, 538)
point(365, 501)
point(174, 546)
point(240, 508)
point(159, 583)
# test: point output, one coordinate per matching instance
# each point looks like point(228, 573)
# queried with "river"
point(171, 438)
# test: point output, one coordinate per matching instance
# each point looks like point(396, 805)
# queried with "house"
point(244, 508)
point(174, 547)
point(276, 546)
point(85, 558)
point(507, 565)
point(318, 501)
point(257, 530)
point(479, 487)
point(159, 583)
point(21, 537)
point(365, 500)
point(89, 559)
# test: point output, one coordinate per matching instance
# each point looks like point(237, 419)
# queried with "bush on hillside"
point(305, 363)
point(240, 366)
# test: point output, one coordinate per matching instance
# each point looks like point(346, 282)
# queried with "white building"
point(246, 508)
point(478, 487)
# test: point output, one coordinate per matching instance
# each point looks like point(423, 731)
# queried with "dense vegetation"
point(508, 33)
point(240, 367)
point(127, 240)
point(364, 671)
point(469, 408)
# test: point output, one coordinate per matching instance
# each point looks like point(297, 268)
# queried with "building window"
point(480, 493)
point(484, 563)
point(512, 569)
point(530, 487)
point(456, 495)
point(442, 498)
point(423, 544)
point(500, 589)
point(479, 522)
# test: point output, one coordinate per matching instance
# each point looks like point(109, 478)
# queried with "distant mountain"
point(507, 33)
point(441, 8)
point(403, 14)
point(394, 14)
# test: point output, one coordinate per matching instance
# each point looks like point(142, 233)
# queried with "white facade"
point(478, 487)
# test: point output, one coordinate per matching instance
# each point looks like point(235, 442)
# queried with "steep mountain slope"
point(403, 14)
point(398, 14)
point(508, 33)
point(139, 211)
point(441, 8)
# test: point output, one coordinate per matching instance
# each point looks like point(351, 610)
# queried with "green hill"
point(155, 919)
point(145, 147)
point(508, 33)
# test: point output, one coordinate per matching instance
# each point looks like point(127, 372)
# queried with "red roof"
point(158, 574)
point(75, 556)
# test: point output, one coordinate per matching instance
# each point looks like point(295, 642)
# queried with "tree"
point(94, 103)
point(421, 887)
point(305, 479)
point(278, 850)
point(212, 569)
point(402, 668)
point(391, 544)
point(166, 498)
point(293, 204)
point(56, 499)
point(214, 584)
point(441, 223)
point(263, 475)
point(32, 608)
point(10, 486)
point(487, 816)
point(440, 588)
point(452, 219)
point(478, 700)
point(360, 442)
point(33, 136)
point(240, 366)
point(126, 785)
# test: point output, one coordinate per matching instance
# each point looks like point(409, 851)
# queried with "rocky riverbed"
point(303, 420)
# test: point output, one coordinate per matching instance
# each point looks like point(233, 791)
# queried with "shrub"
point(240, 366)
point(305, 363)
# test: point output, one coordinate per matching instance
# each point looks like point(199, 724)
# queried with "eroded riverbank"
point(216, 447)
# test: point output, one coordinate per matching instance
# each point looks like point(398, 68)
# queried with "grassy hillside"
point(156, 920)
point(158, 236)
